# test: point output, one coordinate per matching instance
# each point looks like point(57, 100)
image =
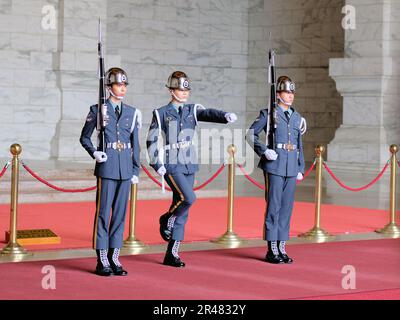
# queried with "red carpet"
point(74, 221)
point(389, 294)
point(221, 274)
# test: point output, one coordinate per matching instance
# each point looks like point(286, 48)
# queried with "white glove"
point(100, 156)
point(134, 179)
point(230, 117)
point(299, 176)
point(270, 154)
point(303, 126)
point(162, 171)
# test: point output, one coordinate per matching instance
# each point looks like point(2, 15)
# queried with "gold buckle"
point(120, 146)
point(289, 147)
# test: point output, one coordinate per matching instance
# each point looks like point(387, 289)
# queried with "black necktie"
point(287, 115)
point(117, 112)
point(180, 111)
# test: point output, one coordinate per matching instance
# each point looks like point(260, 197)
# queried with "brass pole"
point(132, 244)
point(392, 229)
point(231, 187)
point(317, 233)
point(230, 238)
point(13, 248)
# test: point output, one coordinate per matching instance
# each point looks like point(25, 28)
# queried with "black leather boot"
point(273, 254)
point(171, 256)
point(103, 267)
point(282, 252)
point(165, 232)
point(113, 255)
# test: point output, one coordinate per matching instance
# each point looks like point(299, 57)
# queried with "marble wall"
point(49, 77)
point(305, 34)
point(207, 39)
point(368, 79)
point(29, 97)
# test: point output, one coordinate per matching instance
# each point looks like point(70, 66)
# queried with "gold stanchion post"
point(13, 248)
point(392, 229)
point(132, 244)
point(230, 238)
point(317, 233)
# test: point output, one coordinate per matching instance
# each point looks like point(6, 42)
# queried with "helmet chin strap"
point(176, 98)
point(114, 95)
point(284, 102)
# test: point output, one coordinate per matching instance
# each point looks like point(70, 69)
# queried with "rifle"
point(272, 116)
point(102, 116)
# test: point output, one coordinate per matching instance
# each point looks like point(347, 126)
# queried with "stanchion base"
point(229, 239)
point(391, 229)
point(133, 245)
point(13, 249)
point(316, 234)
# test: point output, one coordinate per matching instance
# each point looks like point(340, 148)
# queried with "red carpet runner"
point(74, 221)
point(221, 274)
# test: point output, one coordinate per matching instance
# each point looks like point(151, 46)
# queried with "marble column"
point(367, 79)
point(77, 71)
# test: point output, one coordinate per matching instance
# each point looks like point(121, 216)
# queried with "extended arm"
point(211, 115)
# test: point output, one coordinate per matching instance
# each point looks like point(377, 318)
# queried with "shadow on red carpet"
point(227, 274)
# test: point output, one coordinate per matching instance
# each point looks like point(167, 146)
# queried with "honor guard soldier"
point(173, 156)
point(282, 165)
point(116, 169)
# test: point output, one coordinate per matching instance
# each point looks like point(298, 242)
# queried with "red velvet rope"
point(360, 188)
point(195, 189)
point(52, 185)
point(307, 173)
point(248, 177)
point(211, 179)
point(4, 169)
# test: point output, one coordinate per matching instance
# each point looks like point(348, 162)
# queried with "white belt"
point(118, 145)
point(286, 146)
point(179, 145)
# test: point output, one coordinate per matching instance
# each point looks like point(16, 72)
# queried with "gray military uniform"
point(282, 172)
point(113, 176)
point(177, 154)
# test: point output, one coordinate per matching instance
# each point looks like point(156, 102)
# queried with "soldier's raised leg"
point(182, 186)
